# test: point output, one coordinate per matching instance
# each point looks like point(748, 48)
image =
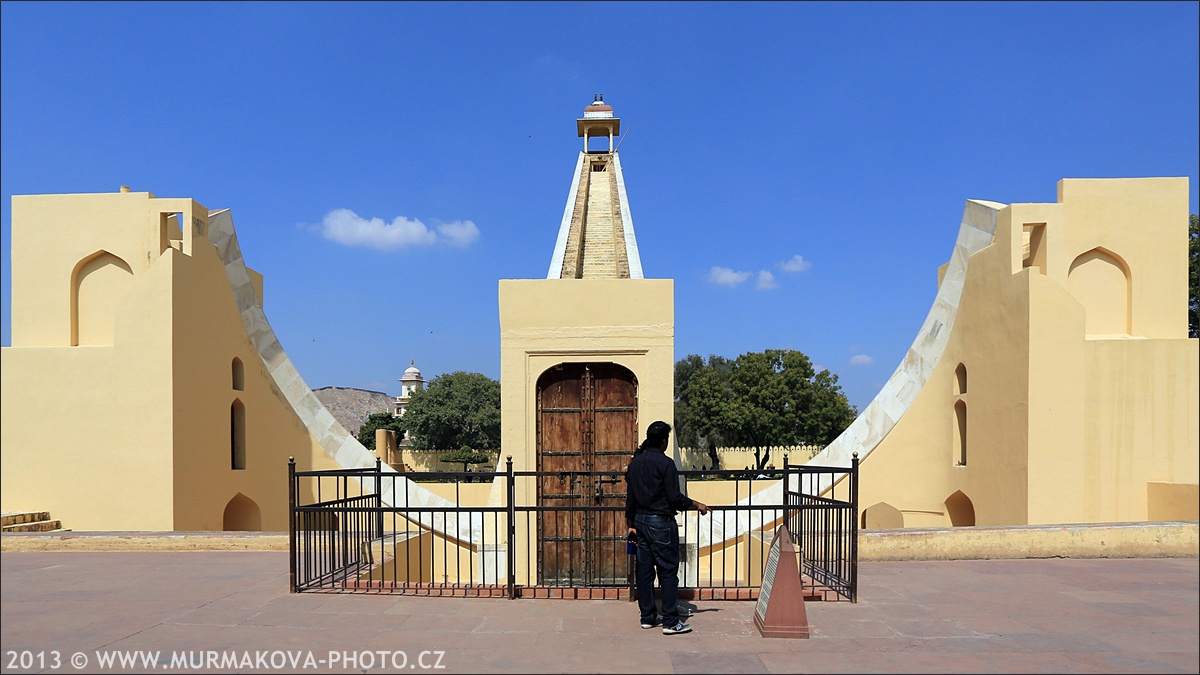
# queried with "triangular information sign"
point(780, 611)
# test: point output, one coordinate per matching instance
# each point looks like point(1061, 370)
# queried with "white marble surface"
point(564, 228)
point(631, 247)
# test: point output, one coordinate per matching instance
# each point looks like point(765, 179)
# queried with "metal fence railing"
point(559, 533)
point(822, 517)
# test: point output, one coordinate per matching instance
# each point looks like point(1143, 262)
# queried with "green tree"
point(766, 399)
point(465, 455)
point(1193, 275)
point(701, 386)
point(454, 410)
point(686, 433)
point(383, 420)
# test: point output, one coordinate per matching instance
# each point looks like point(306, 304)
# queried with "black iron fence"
point(561, 533)
point(822, 518)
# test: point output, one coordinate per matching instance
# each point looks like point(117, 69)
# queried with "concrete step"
point(37, 526)
point(22, 517)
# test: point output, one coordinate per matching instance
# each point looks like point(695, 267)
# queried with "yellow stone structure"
point(1053, 381)
point(594, 306)
point(142, 388)
point(587, 355)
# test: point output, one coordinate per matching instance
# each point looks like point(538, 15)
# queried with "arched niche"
point(98, 284)
point(237, 435)
point(1101, 282)
point(960, 380)
point(242, 515)
point(959, 510)
point(960, 433)
point(238, 374)
point(882, 516)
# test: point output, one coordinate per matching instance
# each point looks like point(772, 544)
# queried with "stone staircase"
point(599, 237)
point(30, 521)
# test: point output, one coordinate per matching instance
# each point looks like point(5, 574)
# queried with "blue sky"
point(799, 170)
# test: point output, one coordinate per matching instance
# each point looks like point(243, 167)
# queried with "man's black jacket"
point(653, 485)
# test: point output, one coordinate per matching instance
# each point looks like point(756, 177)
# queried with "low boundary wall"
point(1167, 539)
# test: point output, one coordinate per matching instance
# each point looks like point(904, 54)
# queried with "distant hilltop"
point(351, 407)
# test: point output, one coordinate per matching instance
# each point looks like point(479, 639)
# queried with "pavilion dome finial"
point(411, 373)
point(598, 108)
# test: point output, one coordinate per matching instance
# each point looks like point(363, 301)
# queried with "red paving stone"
point(982, 616)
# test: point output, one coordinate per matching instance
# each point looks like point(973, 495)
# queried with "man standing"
point(652, 499)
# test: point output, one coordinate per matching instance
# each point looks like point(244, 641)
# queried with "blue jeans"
point(657, 550)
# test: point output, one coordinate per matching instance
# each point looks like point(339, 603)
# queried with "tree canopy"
point(465, 456)
point(686, 433)
point(454, 410)
point(760, 400)
point(383, 420)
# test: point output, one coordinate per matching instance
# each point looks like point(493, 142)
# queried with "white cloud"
point(459, 233)
point(861, 360)
point(349, 229)
point(766, 281)
point(723, 276)
point(796, 264)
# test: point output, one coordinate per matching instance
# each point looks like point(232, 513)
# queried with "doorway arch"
point(960, 510)
point(242, 515)
point(882, 516)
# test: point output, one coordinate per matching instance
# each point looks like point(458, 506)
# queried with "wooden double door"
point(586, 426)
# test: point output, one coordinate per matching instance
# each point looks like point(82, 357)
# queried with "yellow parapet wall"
point(145, 541)
point(1177, 539)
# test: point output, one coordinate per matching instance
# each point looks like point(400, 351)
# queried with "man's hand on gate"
point(701, 507)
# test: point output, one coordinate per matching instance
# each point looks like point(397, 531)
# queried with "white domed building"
point(412, 381)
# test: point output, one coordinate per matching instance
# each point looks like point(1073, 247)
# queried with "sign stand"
point(780, 611)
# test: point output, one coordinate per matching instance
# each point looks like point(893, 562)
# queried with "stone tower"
point(595, 239)
point(586, 357)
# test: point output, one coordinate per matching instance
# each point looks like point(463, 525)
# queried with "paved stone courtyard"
point(1001, 616)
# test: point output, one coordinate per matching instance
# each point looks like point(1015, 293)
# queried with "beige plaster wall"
point(1144, 222)
point(1173, 501)
point(208, 335)
point(735, 458)
point(69, 445)
point(136, 435)
point(1109, 412)
point(1142, 402)
point(69, 448)
point(914, 469)
point(1063, 425)
point(1055, 407)
point(62, 232)
point(544, 322)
